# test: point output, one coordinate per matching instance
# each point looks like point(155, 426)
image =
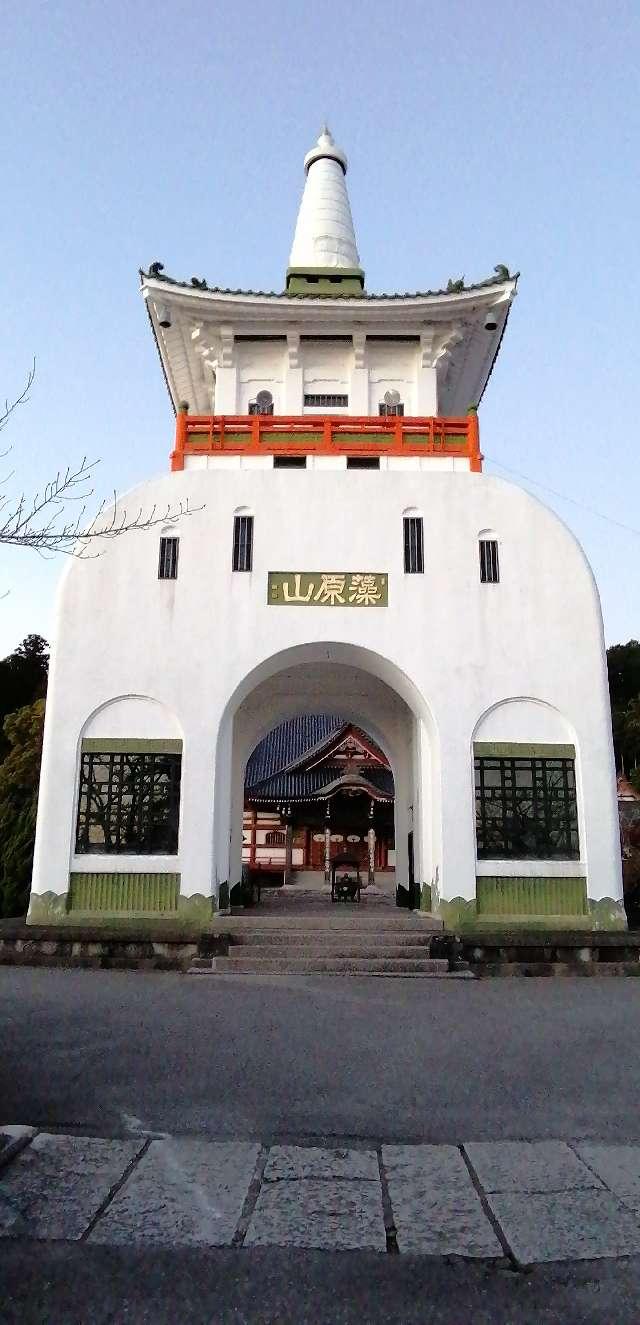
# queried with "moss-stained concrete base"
point(47, 909)
point(197, 911)
point(461, 915)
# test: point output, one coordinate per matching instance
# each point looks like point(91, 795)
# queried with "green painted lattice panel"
point(524, 896)
point(153, 894)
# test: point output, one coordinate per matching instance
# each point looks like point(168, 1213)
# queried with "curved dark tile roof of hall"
point(305, 785)
point(288, 742)
point(285, 294)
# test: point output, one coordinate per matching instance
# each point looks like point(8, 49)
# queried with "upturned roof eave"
point(489, 290)
point(406, 311)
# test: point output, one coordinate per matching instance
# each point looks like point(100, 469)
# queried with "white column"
point(327, 847)
point(227, 374)
point(292, 389)
point(371, 841)
point(426, 405)
point(359, 385)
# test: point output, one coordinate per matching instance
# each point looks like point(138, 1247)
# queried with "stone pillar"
point(252, 839)
point(288, 845)
point(327, 846)
point(371, 839)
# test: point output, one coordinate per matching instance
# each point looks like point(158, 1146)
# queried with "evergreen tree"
point(23, 678)
point(19, 777)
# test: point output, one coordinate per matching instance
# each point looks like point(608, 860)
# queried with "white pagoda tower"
point(346, 555)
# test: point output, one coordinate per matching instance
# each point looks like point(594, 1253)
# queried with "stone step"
point(329, 923)
point(276, 951)
point(322, 966)
point(283, 939)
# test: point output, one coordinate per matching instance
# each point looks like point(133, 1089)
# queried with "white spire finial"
point(324, 236)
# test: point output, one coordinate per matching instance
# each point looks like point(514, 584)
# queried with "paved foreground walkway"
point(526, 1202)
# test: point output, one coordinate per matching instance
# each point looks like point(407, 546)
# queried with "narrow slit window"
point(363, 462)
point(413, 545)
point(243, 542)
point(489, 564)
point(168, 559)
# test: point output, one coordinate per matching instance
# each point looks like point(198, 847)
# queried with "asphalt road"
point(71, 1284)
point(369, 1059)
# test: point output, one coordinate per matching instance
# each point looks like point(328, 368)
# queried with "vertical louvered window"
point(168, 560)
point(489, 564)
point(243, 542)
point(413, 545)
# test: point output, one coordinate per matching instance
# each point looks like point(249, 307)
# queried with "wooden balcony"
point(326, 435)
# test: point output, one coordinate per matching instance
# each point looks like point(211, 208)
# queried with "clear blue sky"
point(477, 133)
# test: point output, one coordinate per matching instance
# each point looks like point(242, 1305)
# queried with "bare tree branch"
point(19, 400)
point(42, 521)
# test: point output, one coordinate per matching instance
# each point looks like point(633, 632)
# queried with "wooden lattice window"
point(129, 803)
point(526, 809)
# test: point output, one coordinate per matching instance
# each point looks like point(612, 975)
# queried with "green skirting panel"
point(519, 897)
point(125, 894)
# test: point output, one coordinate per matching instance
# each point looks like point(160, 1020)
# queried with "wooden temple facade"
point(318, 788)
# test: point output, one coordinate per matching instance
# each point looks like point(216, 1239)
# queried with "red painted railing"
point(313, 434)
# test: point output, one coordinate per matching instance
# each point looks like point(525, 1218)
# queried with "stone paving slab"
point(292, 1162)
point(446, 1225)
point(617, 1166)
point(322, 1213)
point(55, 1187)
point(183, 1192)
point(566, 1226)
point(436, 1209)
point(529, 1166)
point(192, 1192)
point(438, 1168)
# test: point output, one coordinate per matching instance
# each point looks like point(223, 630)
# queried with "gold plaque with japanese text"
point(328, 589)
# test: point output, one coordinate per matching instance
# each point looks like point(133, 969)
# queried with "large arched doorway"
point(318, 789)
point(371, 693)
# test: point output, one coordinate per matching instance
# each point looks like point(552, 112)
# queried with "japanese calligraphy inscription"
point(328, 589)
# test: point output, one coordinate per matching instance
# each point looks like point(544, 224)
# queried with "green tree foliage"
point(19, 776)
point(23, 678)
point(623, 663)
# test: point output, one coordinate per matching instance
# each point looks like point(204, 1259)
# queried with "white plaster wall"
point(133, 716)
point(260, 366)
point(326, 369)
point(392, 367)
point(448, 646)
point(525, 720)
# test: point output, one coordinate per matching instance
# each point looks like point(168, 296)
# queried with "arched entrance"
point(378, 698)
point(316, 789)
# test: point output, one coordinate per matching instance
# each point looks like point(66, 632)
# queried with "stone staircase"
point(386, 943)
